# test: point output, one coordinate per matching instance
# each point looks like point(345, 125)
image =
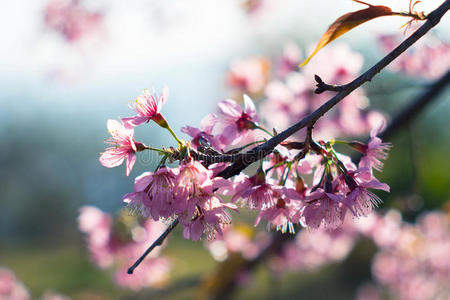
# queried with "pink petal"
point(230, 108)
point(376, 130)
point(142, 181)
point(192, 131)
point(130, 162)
point(113, 125)
point(134, 121)
point(197, 229)
point(163, 97)
point(111, 158)
point(249, 106)
point(375, 184)
point(208, 122)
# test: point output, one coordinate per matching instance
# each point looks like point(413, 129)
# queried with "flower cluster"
point(193, 191)
point(416, 264)
point(115, 243)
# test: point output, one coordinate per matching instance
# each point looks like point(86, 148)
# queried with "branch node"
point(322, 86)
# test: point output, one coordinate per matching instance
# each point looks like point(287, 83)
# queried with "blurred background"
point(60, 85)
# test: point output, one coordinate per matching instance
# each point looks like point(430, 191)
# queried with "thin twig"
point(158, 242)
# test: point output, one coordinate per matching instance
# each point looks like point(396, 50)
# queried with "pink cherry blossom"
point(235, 124)
point(211, 217)
point(360, 200)
point(199, 209)
point(256, 192)
point(153, 193)
point(279, 205)
point(192, 182)
point(285, 213)
point(374, 152)
point(123, 146)
point(324, 208)
point(148, 107)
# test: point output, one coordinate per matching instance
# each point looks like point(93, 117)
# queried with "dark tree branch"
point(263, 150)
point(408, 113)
point(242, 161)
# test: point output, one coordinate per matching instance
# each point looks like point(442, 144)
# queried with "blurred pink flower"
point(416, 265)
point(148, 107)
point(429, 58)
point(290, 59)
point(10, 287)
point(337, 64)
point(312, 249)
point(123, 146)
point(249, 75)
point(238, 239)
point(152, 272)
point(109, 247)
point(97, 225)
point(71, 19)
point(292, 97)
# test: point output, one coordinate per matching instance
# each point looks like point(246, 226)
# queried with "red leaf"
point(348, 22)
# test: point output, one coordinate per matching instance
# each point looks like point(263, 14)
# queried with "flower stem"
point(156, 149)
point(180, 143)
point(263, 129)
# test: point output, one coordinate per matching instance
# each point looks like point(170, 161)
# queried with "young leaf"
point(347, 22)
